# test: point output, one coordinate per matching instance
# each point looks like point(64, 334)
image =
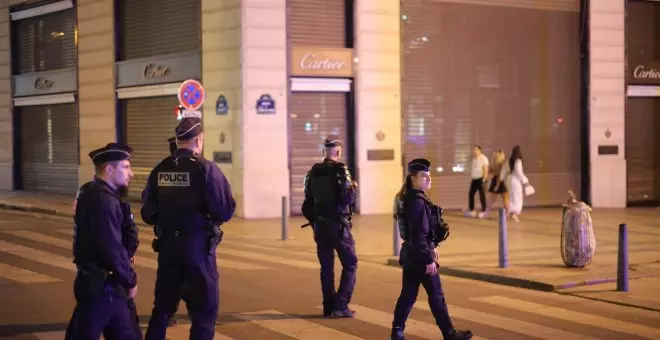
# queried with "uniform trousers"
point(413, 276)
point(331, 237)
point(110, 314)
point(185, 260)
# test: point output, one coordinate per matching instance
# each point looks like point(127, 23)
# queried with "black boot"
point(397, 333)
point(455, 334)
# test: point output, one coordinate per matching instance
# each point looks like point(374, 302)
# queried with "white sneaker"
point(482, 215)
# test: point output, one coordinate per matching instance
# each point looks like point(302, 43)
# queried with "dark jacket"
point(419, 248)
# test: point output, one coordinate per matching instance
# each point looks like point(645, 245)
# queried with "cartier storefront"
point(643, 103)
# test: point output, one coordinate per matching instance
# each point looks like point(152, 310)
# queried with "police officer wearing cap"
point(187, 198)
point(422, 229)
point(329, 197)
point(105, 278)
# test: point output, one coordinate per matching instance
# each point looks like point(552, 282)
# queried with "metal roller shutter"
point(49, 148)
point(45, 42)
point(156, 27)
point(498, 75)
point(313, 116)
point(641, 122)
point(317, 23)
point(149, 123)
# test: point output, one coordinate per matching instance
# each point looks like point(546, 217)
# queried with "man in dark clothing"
point(329, 197)
point(105, 277)
point(187, 198)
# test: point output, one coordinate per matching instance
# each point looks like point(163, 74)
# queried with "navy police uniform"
point(187, 198)
point(422, 229)
point(102, 250)
point(329, 198)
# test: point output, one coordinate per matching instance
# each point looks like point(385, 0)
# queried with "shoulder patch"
point(173, 179)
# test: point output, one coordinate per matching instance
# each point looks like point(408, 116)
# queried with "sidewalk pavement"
point(471, 251)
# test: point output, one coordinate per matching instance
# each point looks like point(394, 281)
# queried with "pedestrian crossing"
point(293, 327)
point(497, 310)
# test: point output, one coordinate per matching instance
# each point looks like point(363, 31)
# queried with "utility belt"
point(91, 281)
point(344, 220)
point(214, 235)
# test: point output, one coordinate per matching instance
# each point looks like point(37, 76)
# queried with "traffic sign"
point(191, 94)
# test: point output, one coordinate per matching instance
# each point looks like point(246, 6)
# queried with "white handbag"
point(529, 190)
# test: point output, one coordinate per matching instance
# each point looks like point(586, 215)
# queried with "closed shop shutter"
point(156, 27)
point(317, 23)
point(313, 116)
point(642, 120)
point(149, 123)
point(45, 42)
point(49, 148)
point(641, 149)
point(496, 75)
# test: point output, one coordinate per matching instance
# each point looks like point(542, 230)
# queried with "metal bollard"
point(622, 270)
point(285, 218)
point(503, 240)
point(396, 239)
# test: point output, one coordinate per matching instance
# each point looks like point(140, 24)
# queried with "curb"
point(518, 282)
point(29, 208)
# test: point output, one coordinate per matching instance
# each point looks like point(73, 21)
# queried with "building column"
point(6, 123)
point(378, 104)
point(96, 80)
point(221, 75)
point(607, 103)
point(244, 56)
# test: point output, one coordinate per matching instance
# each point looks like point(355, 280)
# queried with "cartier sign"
point(647, 73)
point(42, 83)
point(322, 62)
point(154, 71)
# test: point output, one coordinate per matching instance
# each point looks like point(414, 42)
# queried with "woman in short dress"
point(497, 186)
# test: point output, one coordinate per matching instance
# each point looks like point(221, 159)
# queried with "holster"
point(155, 245)
point(215, 238)
point(89, 282)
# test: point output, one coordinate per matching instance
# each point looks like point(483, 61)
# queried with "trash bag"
point(578, 242)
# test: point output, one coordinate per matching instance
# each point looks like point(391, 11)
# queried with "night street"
point(272, 293)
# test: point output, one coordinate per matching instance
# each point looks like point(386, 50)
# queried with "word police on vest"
point(173, 179)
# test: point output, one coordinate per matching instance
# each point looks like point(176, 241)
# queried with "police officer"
point(329, 197)
point(422, 229)
point(187, 198)
point(105, 278)
point(130, 241)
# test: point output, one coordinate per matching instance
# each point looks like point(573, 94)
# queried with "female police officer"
point(418, 256)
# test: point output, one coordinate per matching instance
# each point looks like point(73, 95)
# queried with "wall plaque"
point(380, 155)
point(608, 150)
point(222, 157)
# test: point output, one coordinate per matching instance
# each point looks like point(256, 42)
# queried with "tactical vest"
point(439, 229)
point(328, 183)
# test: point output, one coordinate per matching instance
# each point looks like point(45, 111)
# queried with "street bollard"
point(504, 243)
point(285, 219)
point(622, 270)
point(396, 239)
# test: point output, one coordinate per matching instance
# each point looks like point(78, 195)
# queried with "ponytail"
point(406, 187)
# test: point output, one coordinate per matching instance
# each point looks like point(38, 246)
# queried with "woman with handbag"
point(517, 183)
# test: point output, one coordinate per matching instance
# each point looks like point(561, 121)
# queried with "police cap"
point(419, 164)
point(332, 141)
point(111, 153)
point(188, 128)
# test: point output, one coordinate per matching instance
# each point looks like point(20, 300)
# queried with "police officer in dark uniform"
point(130, 241)
point(187, 198)
point(105, 279)
point(329, 197)
point(422, 228)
